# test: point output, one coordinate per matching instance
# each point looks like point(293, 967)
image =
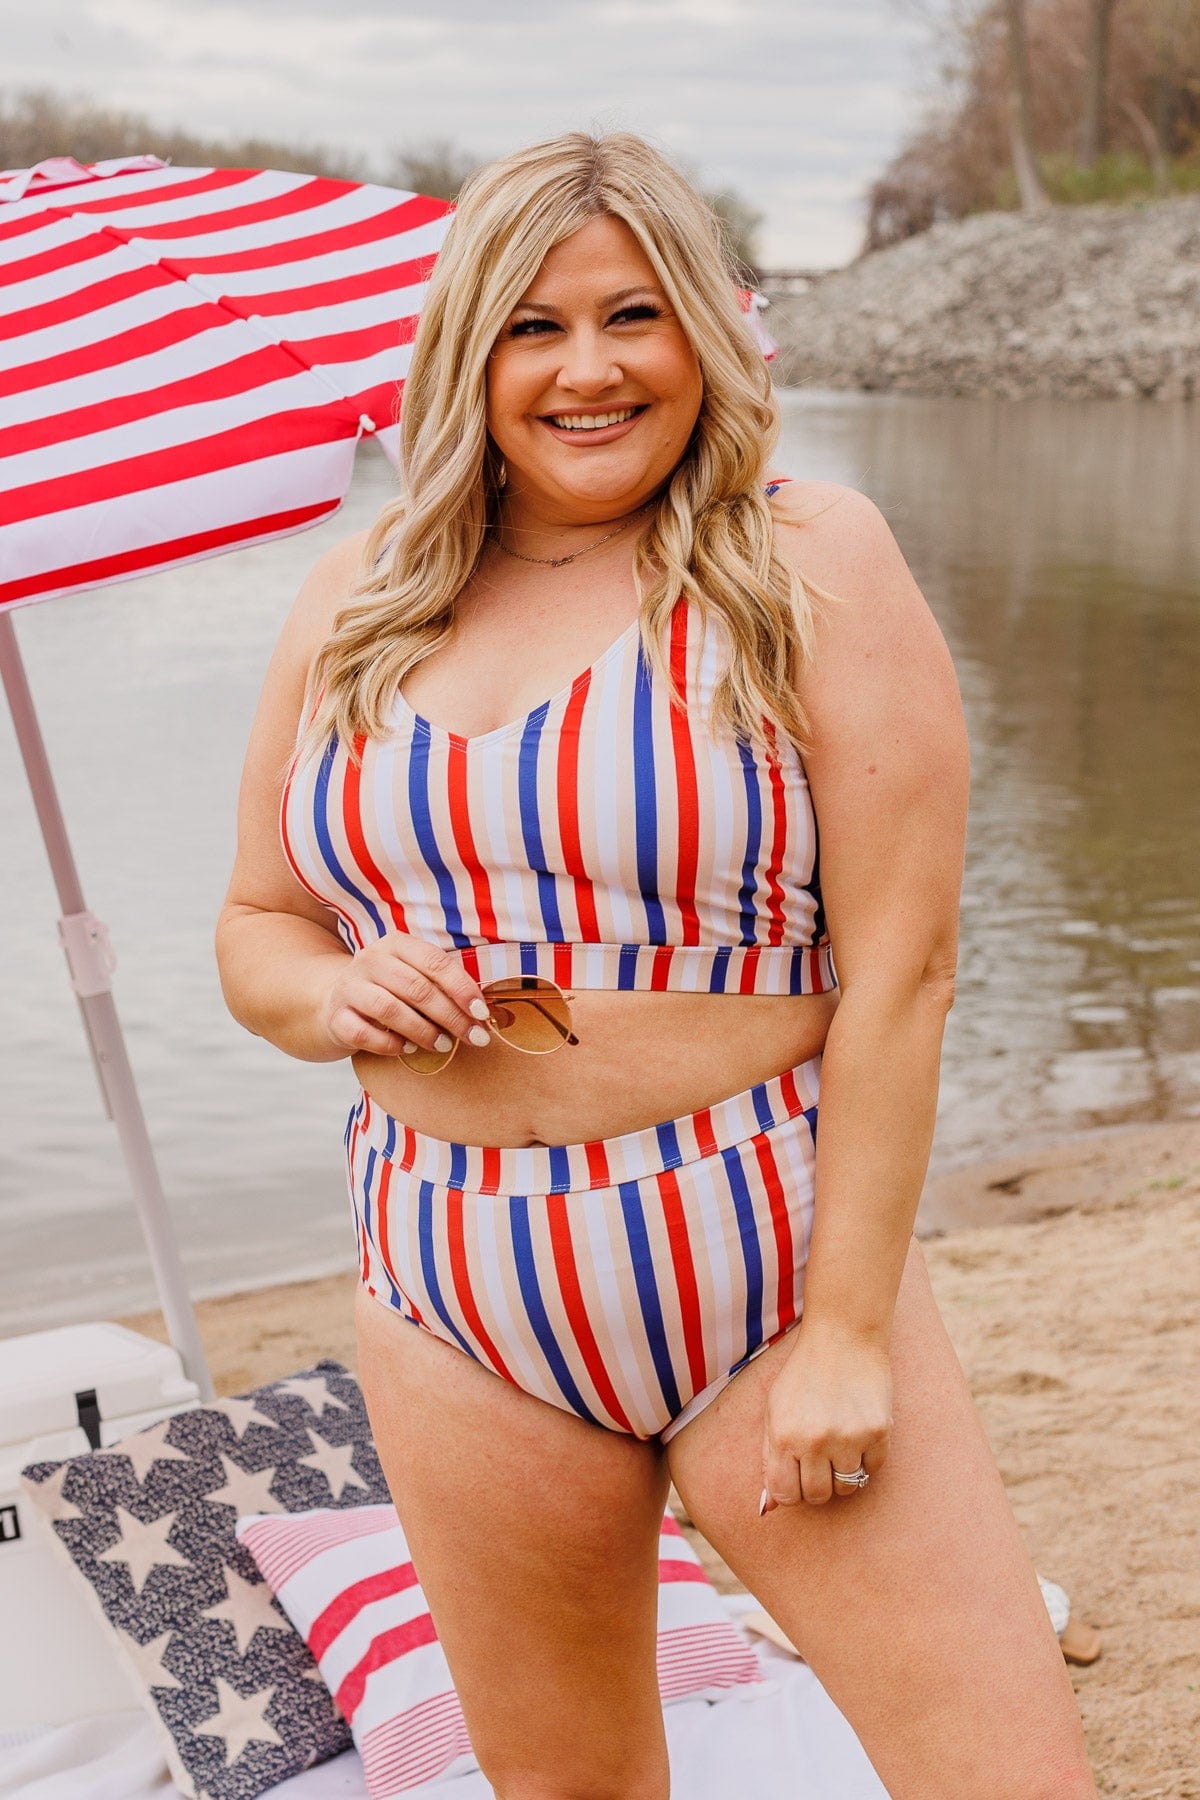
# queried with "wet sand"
point(1079, 1329)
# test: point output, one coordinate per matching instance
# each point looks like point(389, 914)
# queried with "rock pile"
point(1079, 301)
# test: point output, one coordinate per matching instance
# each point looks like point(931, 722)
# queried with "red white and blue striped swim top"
point(605, 840)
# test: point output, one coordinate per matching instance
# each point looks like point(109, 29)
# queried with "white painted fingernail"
point(478, 1009)
point(407, 1049)
point(762, 1505)
point(443, 1041)
point(477, 1035)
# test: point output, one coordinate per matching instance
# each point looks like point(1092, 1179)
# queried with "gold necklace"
point(556, 562)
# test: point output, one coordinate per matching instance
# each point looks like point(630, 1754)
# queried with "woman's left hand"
point(829, 1407)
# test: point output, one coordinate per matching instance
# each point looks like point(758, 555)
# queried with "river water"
point(1058, 544)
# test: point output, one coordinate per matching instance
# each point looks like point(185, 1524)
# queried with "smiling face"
point(593, 388)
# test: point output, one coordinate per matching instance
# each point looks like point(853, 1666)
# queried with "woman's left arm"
point(889, 777)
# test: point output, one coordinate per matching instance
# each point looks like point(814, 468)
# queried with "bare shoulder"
point(322, 594)
point(839, 539)
point(879, 655)
point(325, 590)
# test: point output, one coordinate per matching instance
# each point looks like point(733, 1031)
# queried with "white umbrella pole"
point(90, 960)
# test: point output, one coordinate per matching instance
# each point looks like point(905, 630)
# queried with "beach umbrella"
point(188, 358)
point(754, 304)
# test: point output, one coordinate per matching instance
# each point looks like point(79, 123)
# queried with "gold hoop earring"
point(502, 474)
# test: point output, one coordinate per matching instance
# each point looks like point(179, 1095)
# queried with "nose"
point(588, 366)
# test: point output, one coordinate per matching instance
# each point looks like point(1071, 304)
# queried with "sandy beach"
point(1080, 1333)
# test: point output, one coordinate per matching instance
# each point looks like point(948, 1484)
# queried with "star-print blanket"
point(149, 1522)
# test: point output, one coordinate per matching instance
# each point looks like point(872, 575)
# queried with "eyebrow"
point(607, 300)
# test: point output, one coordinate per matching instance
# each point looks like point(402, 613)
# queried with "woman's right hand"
point(402, 990)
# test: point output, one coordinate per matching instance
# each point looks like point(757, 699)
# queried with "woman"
point(588, 1272)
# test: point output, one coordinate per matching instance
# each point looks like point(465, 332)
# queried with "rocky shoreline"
point(1079, 302)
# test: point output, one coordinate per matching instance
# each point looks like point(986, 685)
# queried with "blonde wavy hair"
point(711, 536)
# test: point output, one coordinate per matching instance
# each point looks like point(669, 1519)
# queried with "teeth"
point(591, 421)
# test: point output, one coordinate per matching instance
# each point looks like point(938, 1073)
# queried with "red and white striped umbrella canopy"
point(188, 358)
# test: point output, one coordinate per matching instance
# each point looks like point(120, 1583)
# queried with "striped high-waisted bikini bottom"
point(626, 1280)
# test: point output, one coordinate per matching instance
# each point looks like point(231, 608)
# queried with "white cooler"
point(63, 1392)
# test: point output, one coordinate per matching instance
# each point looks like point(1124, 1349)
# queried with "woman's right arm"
point(285, 974)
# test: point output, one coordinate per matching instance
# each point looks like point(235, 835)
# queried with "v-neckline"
point(518, 725)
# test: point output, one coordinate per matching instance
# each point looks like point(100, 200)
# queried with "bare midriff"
point(641, 1058)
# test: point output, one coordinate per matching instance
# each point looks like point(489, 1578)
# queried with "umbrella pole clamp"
point(89, 952)
point(91, 959)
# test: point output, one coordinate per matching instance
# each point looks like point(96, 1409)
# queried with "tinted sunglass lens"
point(529, 1013)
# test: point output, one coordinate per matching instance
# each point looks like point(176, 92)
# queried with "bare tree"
point(439, 168)
point(1020, 109)
point(1174, 29)
point(1095, 83)
point(958, 159)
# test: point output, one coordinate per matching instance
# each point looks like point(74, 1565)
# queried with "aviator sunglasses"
point(527, 1013)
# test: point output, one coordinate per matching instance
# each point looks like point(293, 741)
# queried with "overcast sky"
point(796, 103)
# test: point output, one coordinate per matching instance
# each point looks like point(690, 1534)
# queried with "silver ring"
point(858, 1479)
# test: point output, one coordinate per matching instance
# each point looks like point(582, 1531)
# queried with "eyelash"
point(532, 327)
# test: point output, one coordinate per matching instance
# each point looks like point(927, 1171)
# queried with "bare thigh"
point(914, 1601)
point(535, 1538)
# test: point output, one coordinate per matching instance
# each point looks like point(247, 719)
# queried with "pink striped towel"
point(346, 1581)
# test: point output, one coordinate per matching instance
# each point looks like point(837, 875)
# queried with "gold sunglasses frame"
point(530, 997)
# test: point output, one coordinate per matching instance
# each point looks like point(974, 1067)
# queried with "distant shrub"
point(37, 123)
